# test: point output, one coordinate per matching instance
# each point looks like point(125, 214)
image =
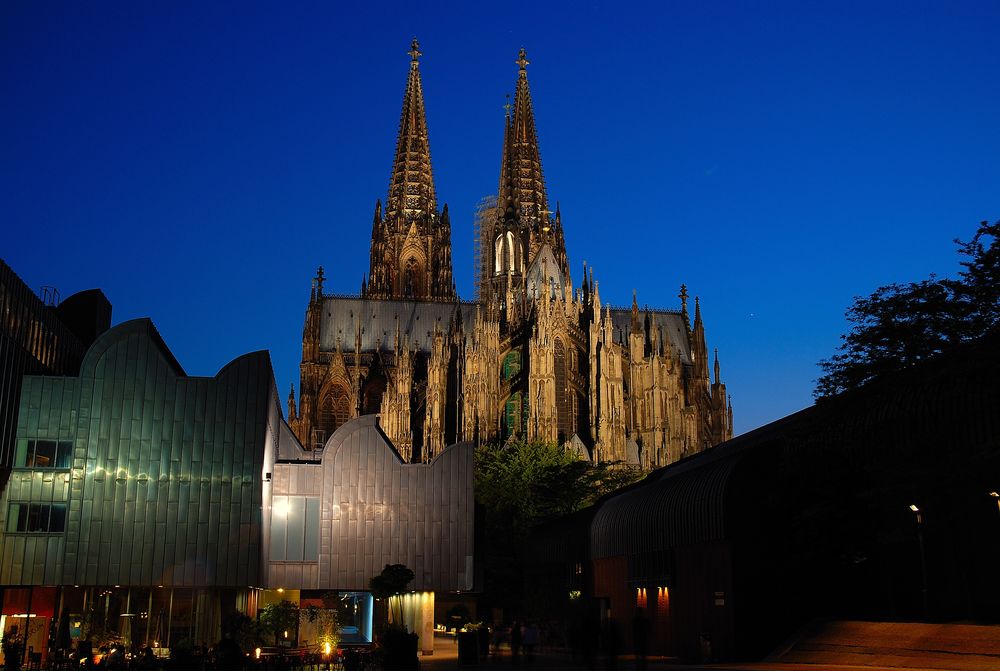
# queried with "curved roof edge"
point(249, 356)
point(141, 326)
point(370, 423)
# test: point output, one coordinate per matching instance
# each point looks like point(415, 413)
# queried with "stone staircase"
point(961, 647)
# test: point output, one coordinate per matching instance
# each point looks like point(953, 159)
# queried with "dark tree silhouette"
point(901, 324)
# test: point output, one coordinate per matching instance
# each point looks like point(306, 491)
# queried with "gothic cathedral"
point(532, 357)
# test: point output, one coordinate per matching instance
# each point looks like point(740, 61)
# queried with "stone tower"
point(411, 240)
point(524, 235)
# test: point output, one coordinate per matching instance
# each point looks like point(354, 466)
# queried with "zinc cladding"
point(680, 505)
point(376, 510)
point(165, 482)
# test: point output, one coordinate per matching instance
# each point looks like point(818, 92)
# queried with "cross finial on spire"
point(522, 60)
point(318, 281)
point(507, 106)
point(414, 50)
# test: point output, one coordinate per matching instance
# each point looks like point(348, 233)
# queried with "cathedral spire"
point(411, 187)
point(411, 241)
point(521, 183)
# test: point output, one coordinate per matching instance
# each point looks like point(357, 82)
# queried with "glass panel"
point(354, 615)
point(57, 518)
point(64, 457)
point(45, 454)
point(38, 517)
point(296, 527)
point(14, 517)
point(279, 515)
point(311, 551)
point(22, 450)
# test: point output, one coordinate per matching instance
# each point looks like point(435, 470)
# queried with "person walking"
point(515, 642)
point(640, 638)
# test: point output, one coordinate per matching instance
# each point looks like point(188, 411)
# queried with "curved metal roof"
point(684, 505)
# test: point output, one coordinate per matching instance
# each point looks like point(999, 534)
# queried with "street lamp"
point(923, 559)
point(996, 496)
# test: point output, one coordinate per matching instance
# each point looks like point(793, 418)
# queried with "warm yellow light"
point(914, 508)
point(281, 590)
point(286, 633)
point(995, 495)
point(256, 653)
point(326, 648)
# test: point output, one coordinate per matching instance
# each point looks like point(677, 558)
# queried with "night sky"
point(198, 161)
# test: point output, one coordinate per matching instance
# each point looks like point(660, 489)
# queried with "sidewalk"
point(445, 658)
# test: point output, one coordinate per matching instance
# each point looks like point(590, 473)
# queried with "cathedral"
point(533, 356)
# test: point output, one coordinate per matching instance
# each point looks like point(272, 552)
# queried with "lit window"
point(294, 528)
point(43, 453)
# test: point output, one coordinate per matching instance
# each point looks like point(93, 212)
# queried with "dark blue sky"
point(197, 161)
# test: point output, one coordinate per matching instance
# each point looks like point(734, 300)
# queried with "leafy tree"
point(325, 622)
point(243, 629)
point(277, 618)
point(520, 485)
point(390, 583)
point(901, 324)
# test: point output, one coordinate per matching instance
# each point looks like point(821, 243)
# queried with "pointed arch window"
point(514, 411)
point(512, 364)
point(411, 278)
point(507, 254)
point(335, 410)
point(563, 403)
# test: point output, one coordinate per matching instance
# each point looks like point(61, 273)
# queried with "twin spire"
point(411, 186)
point(411, 240)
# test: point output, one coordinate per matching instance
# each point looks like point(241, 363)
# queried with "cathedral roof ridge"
point(431, 301)
point(653, 310)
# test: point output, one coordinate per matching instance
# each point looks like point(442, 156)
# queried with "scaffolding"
point(485, 211)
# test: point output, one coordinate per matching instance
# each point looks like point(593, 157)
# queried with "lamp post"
point(923, 559)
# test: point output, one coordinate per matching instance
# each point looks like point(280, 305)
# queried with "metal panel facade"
point(166, 481)
point(376, 510)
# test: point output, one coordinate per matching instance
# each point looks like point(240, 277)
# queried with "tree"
point(523, 484)
point(278, 618)
point(325, 625)
point(901, 324)
point(390, 583)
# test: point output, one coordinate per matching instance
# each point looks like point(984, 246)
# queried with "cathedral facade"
point(533, 356)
